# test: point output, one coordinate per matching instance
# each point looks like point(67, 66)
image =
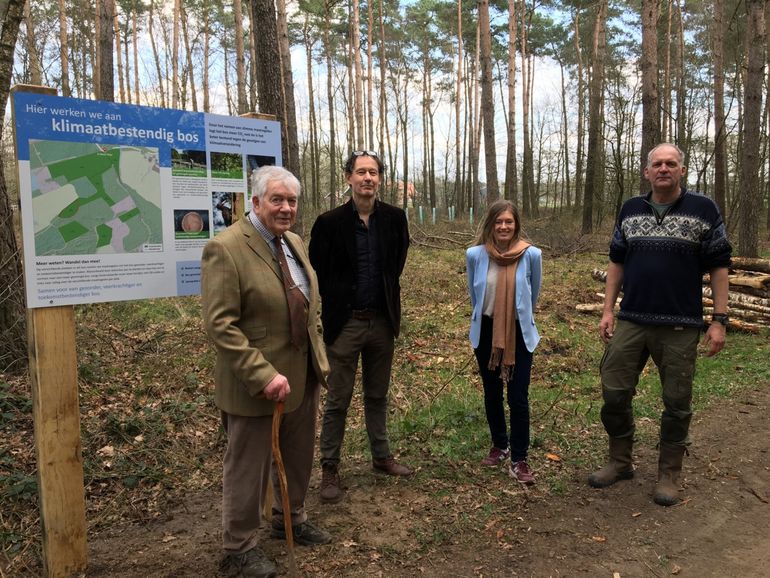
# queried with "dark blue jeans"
point(517, 391)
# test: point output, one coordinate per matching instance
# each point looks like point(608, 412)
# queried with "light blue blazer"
point(529, 274)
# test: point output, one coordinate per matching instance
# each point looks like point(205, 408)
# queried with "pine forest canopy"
point(560, 86)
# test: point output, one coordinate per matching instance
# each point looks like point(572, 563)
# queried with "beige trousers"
point(248, 464)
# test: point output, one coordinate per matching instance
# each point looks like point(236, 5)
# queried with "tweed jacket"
point(528, 279)
point(333, 255)
point(246, 315)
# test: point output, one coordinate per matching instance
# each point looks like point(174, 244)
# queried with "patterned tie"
point(295, 298)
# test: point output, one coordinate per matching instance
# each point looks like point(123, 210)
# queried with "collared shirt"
point(295, 267)
point(369, 291)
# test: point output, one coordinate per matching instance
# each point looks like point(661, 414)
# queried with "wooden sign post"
point(56, 415)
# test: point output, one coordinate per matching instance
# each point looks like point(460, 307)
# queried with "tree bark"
point(511, 174)
point(581, 113)
point(309, 39)
point(119, 57)
point(175, 55)
point(488, 102)
point(369, 75)
point(189, 61)
point(750, 198)
point(665, 133)
point(269, 86)
point(458, 110)
point(13, 346)
point(330, 99)
point(156, 57)
point(63, 48)
point(291, 157)
point(35, 67)
point(240, 66)
point(649, 66)
point(135, 34)
point(595, 117)
point(720, 149)
point(206, 53)
point(358, 80)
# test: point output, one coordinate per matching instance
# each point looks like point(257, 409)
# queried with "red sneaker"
point(496, 457)
point(520, 472)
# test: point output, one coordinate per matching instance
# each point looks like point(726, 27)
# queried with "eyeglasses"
point(365, 154)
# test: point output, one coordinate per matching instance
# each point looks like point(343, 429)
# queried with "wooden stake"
point(56, 414)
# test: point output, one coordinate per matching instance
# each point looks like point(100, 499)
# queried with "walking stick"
point(277, 412)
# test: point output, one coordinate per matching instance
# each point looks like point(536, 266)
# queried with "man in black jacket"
point(358, 251)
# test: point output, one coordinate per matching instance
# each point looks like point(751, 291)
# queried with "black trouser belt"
point(364, 313)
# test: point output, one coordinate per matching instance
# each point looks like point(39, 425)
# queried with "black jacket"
point(333, 256)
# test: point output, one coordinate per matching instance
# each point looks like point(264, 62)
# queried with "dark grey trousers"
point(372, 341)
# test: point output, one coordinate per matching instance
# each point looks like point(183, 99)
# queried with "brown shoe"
point(331, 491)
point(251, 564)
point(391, 467)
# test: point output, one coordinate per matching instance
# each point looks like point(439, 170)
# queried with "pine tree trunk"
point(650, 97)
point(175, 55)
point(35, 72)
point(116, 32)
point(750, 197)
point(511, 189)
point(330, 101)
point(189, 62)
point(593, 166)
point(156, 57)
point(369, 74)
point(458, 194)
point(135, 35)
point(488, 102)
point(358, 80)
point(581, 114)
point(63, 48)
point(720, 148)
point(291, 159)
point(240, 66)
point(13, 345)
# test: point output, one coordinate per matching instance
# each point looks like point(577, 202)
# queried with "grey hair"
point(679, 152)
point(266, 175)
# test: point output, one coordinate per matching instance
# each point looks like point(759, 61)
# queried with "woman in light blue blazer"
point(504, 275)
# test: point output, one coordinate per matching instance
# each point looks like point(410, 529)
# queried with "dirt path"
point(388, 527)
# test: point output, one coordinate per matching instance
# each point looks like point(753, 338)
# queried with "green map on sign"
point(90, 199)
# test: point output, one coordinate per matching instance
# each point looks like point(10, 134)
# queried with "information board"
point(117, 200)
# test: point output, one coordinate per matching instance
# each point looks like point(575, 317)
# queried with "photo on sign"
point(226, 165)
point(94, 198)
point(226, 208)
point(191, 224)
point(188, 163)
point(253, 162)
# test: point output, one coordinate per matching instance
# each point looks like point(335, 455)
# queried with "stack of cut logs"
point(748, 298)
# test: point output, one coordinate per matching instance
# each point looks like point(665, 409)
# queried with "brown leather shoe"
point(331, 490)
point(251, 564)
point(391, 467)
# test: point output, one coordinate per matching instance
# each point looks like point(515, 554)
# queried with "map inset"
point(94, 198)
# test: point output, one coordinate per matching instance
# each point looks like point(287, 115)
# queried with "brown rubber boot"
point(331, 491)
point(619, 466)
point(669, 468)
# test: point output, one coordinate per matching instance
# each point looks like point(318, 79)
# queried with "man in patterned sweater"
point(662, 244)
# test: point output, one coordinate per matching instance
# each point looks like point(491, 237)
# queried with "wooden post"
point(56, 415)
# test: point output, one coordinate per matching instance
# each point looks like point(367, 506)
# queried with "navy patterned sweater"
point(664, 258)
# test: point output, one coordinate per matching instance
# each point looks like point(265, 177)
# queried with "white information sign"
point(118, 200)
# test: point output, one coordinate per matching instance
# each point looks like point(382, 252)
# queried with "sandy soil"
point(389, 527)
